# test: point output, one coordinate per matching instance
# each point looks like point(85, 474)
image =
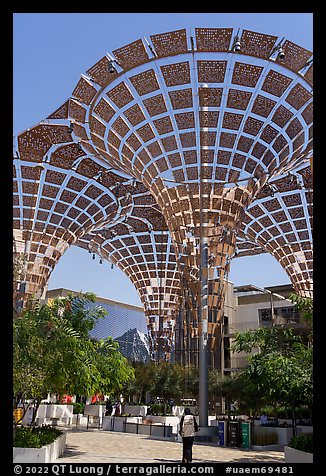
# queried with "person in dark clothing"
point(108, 407)
point(188, 428)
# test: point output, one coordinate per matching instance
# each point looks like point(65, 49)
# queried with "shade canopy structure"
point(140, 245)
point(173, 155)
point(57, 199)
point(280, 221)
point(202, 126)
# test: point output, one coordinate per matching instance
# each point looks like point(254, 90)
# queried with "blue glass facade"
point(120, 319)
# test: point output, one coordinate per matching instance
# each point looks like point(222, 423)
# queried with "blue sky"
point(52, 50)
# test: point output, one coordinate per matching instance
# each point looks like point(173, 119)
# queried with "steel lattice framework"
point(172, 156)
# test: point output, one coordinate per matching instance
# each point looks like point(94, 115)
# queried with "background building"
point(121, 317)
point(247, 307)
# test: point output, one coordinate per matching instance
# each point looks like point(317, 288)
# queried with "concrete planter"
point(94, 414)
point(112, 423)
point(94, 410)
point(79, 419)
point(291, 455)
point(46, 454)
point(165, 420)
point(284, 434)
point(135, 425)
point(266, 447)
point(48, 414)
point(135, 410)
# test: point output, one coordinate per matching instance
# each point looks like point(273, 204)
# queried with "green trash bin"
point(245, 434)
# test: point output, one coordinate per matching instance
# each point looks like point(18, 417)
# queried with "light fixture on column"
point(111, 67)
point(308, 63)
point(236, 44)
point(270, 189)
point(280, 52)
point(76, 164)
point(292, 179)
point(98, 176)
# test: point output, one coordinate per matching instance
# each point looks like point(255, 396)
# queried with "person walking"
point(108, 407)
point(188, 428)
point(117, 409)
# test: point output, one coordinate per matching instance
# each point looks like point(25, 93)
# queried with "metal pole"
point(203, 314)
point(203, 336)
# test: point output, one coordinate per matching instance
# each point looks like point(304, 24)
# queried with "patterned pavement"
point(99, 446)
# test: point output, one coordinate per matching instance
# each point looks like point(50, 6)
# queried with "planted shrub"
point(35, 437)
point(303, 442)
point(78, 407)
point(157, 408)
point(25, 438)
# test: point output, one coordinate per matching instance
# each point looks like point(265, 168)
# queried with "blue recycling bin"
point(222, 432)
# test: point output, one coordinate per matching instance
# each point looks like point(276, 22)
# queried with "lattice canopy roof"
point(185, 137)
point(183, 108)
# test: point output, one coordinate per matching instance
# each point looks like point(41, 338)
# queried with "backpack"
point(188, 427)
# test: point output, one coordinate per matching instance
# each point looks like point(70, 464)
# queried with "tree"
point(190, 382)
point(234, 388)
point(216, 382)
point(281, 369)
point(163, 380)
point(220, 385)
point(305, 307)
point(141, 383)
point(53, 352)
point(167, 381)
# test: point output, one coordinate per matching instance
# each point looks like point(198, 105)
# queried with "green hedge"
point(157, 408)
point(160, 409)
point(303, 442)
point(283, 412)
point(35, 437)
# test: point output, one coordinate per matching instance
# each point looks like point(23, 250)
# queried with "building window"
point(283, 315)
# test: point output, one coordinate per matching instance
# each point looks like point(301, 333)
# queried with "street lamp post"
point(203, 334)
point(203, 315)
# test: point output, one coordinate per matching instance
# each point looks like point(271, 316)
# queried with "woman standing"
point(188, 428)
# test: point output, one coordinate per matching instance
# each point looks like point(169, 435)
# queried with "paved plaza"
point(98, 446)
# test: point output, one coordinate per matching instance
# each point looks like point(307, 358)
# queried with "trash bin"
point(245, 434)
point(222, 432)
point(234, 434)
